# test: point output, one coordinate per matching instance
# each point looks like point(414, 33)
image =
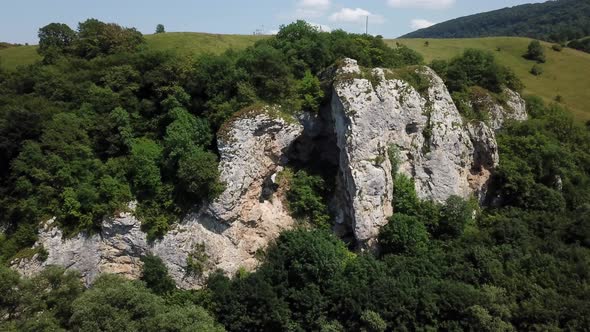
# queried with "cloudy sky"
point(19, 20)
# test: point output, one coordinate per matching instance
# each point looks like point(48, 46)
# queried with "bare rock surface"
point(376, 125)
point(230, 230)
point(376, 116)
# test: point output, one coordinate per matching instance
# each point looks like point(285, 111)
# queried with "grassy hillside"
point(11, 57)
point(189, 43)
point(567, 73)
point(196, 43)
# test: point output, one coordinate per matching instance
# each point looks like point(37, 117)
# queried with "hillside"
point(11, 57)
point(189, 43)
point(559, 20)
point(562, 71)
point(566, 72)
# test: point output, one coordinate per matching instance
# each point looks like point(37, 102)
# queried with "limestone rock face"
point(246, 217)
point(514, 108)
point(376, 117)
point(375, 126)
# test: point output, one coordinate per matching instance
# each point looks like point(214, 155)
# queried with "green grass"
point(194, 43)
point(12, 57)
point(566, 73)
point(187, 43)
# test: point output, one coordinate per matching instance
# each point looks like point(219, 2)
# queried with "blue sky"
point(20, 19)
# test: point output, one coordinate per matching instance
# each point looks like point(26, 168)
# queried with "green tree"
point(535, 52)
point(155, 275)
point(185, 134)
point(403, 235)
point(55, 39)
point(160, 28)
point(306, 199)
point(115, 304)
point(146, 156)
point(310, 91)
point(198, 175)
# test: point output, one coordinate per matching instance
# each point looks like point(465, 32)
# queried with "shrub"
point(403, 235)
point(537, 70)
point(557, 47)
point(155, 275)
point(535, 52)
point(197, 261)
point(305, 197)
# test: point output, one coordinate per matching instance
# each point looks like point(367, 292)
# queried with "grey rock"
point(444, 156)
point(232, 229)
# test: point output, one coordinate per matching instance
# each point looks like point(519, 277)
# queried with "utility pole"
point(367, 26)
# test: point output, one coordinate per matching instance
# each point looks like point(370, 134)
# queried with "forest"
point(555, 21)
point(103, 120)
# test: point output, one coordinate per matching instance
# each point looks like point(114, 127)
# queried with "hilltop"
point(562, 71)
point(189, 43)
point(557, 21)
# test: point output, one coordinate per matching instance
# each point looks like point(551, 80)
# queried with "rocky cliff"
point(375, 125)
point(224, 235)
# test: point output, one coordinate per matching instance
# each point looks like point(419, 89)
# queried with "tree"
point(537, 70)
point(146, 156)
point(198, 174)
point(96, 38)
point(456, 213)
point(185, 134)
point(155, 275)
point(305, 197)
point(310, 91)
point(160, 28)
point(403, 235)
point(535, 52)
point(55, 39)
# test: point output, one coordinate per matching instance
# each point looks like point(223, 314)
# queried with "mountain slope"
point(189, 43)
point(559, 20)
point(565, 73)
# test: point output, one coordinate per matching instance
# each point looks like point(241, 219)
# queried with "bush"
point(403, 235)
point(476, 67)
point(537, 70)
point(557, 47)
point(535, 52)
point(155, 275)
point(306, 198)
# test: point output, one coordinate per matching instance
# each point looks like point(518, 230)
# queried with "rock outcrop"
point(231, 230)
point(377, 115)
point(376, 125)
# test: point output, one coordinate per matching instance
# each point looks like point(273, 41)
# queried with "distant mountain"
point(557, 21)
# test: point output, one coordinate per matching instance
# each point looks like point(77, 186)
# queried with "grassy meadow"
point(566, 73)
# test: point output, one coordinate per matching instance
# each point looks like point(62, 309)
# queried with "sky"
point(20, 19)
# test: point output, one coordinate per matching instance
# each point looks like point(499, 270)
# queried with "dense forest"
point(103, 120)
point(556, 21)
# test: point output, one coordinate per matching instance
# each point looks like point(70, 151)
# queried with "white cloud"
point(419, 23)
point(357, 15)
point(426, 4)
point(312, 8)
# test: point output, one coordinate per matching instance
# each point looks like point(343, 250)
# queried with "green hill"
point(566, 73)
point(560, 20)
point(14, 56)
point(189, 43)
point(197, 43)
